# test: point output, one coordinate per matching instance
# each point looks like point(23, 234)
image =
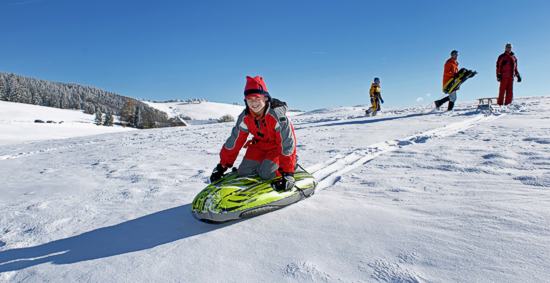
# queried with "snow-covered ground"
point(17, 123)
point(201, 113)
point(407, 196)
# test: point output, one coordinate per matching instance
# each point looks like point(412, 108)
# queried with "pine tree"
point(127, 112)
point(138, 122)
point(109, 119)
point(3, 88)
point(98, 118)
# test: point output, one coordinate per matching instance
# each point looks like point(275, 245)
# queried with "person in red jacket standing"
point(507, 69)
point(272, 150)
point(449, 71)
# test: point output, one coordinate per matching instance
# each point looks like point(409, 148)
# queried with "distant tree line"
point(133, 113)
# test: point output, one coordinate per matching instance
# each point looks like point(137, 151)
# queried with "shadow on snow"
point(142, 233)
point(367, 121)
point(467, 112)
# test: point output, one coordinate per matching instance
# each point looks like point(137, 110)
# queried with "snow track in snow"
point(48, 149)
point(329, 172)
point(61, 145)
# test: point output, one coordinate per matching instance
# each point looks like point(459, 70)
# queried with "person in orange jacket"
point(450, 70)
point(507, 69)
point(272, 150)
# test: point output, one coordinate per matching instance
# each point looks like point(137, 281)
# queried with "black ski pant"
point(440, 102)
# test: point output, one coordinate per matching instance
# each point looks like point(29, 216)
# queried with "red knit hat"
point(255, 87)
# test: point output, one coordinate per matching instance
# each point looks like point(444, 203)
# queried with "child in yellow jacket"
point(375, 97)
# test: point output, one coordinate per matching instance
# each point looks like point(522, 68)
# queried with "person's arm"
point(286, 138)
point(516, 72)
point(455, 69)
point(499, 64)
point(450, 69)
point(287, 159)
point(447, 69)
point(234, 143)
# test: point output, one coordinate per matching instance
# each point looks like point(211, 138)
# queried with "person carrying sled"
point(272, 150)
point(375, 97)
point(507, 69)
point(450, 70)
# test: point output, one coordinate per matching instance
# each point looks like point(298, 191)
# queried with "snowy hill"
point(17, 123)
point(201, 113)
point(20, 89)
point(409, 196)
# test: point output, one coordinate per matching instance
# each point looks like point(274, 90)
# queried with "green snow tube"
point(234, 197)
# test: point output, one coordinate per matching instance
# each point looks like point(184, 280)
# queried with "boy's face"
point(256, 103)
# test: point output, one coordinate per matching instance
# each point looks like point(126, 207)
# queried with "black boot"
point(451, 105)
point(440, 102)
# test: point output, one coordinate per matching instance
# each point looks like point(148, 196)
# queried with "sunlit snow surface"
point(406, 196)
point(17, 123)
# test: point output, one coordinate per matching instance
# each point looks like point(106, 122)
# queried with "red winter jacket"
point(507, 65)
point(449, 70)
point(272, 132)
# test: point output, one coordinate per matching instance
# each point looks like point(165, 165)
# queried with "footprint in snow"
point(305, 271)
point(538, 140)
point(408, 257)
point(397, 190)
point(390, 272)
point(420, 139)
point(499, 159)
point(535, 181)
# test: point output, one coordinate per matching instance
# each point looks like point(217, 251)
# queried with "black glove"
point(519, 78)
point(217, 173)
point(499, 77)
point(286, 183)
point(381, 100)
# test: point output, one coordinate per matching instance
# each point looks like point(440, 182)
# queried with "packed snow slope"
point(203, 112)
point(199, 111)
point(17, 123)
point(407, 196)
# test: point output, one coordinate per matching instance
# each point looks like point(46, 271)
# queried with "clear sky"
point(312, 54)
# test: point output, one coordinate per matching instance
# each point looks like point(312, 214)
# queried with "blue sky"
point(312, 54)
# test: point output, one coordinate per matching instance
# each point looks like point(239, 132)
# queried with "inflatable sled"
point(454, 83)
point(234, 197)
